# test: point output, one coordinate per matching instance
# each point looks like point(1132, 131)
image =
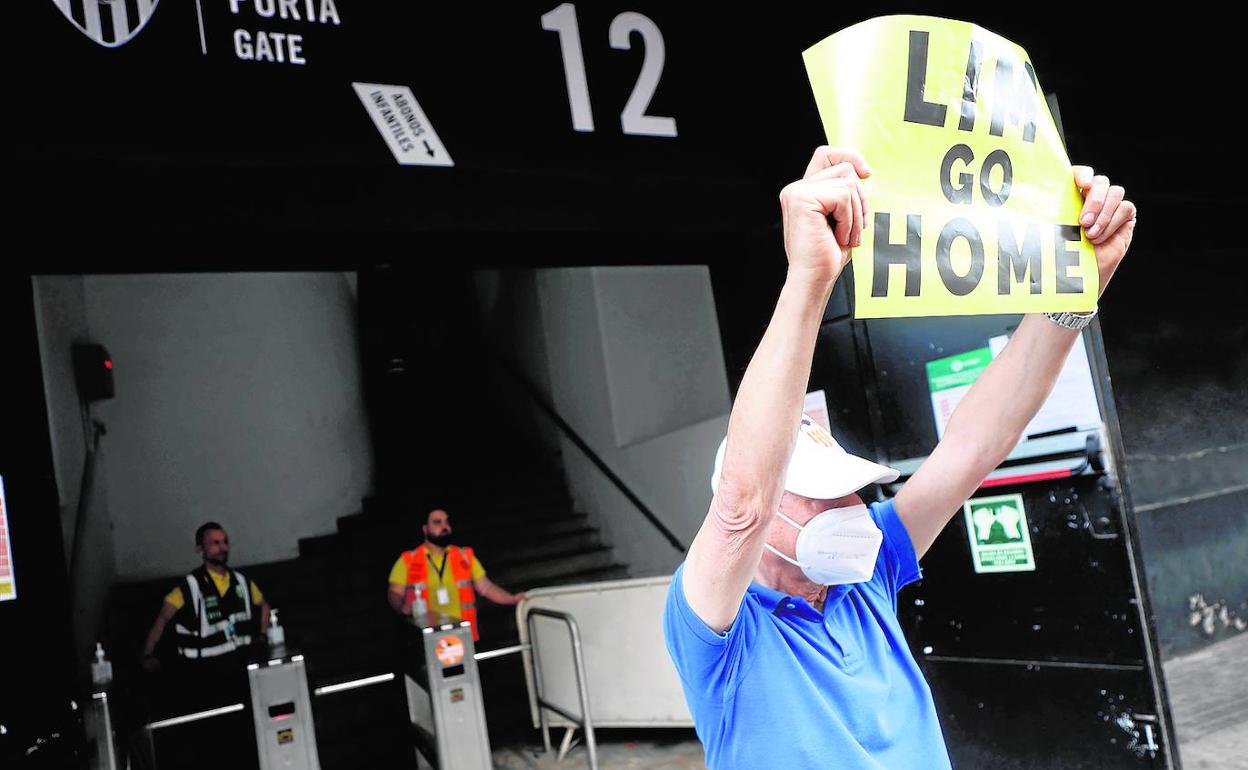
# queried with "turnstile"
point(99, 726)
point(282, 712)
point(452, 689)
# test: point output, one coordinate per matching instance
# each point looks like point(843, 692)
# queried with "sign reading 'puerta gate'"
point(972, 202)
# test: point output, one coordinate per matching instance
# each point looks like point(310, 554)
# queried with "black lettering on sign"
point(964, 191)
point(1017, 261)
point(996, 158)
point(970, 86)
point(887, 253)
point(1018, 103)
point(918, 110)
point(1066, 259)
point(959, 285)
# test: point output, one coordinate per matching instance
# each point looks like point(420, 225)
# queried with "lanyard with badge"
point(215, 614)
point(444, 596)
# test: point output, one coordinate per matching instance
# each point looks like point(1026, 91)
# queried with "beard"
point(441, 541)
point(219, 559)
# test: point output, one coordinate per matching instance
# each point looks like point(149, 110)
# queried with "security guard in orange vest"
point(444, 578)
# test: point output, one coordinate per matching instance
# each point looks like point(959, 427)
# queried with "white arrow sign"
point(403, 124)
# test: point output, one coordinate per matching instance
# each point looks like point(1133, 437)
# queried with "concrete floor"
point(617, 750)
point(1209, 702)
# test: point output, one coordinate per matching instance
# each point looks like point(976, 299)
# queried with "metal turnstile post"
point(282, 712)
point(463, 743)
point(99, 723)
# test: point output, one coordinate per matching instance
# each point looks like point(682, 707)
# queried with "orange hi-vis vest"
point(460, 560)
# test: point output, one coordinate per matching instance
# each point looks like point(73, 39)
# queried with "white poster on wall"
point(8, 584)
point(1072, 404)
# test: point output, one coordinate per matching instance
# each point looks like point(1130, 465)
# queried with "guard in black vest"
point(217, 614)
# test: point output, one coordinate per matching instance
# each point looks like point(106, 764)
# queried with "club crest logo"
point(111, 23)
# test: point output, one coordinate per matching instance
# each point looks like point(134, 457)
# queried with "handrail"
point(354, 684)
point(582, 686)
point(572, 436)
point(195, 717)
point(500, 652)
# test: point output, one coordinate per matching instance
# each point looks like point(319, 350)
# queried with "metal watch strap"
point(1072, 321)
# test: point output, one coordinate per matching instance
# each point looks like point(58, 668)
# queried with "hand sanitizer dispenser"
point(101, 669)
point(276, 634)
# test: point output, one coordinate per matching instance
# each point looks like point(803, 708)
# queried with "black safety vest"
point(209, 624)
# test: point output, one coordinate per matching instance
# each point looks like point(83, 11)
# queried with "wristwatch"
point(1073, 321)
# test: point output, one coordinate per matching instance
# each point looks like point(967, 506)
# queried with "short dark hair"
point(205, 528)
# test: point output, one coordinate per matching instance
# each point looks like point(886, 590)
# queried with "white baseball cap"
point(819, 468)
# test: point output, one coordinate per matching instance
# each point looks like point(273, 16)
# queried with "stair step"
point(319, 545)
point(502, 552)
point(613, 571)
point(522, 510)
point(545, 552)
point(529, 576)
point(546, 524)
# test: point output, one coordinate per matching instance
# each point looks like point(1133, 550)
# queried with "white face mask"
point(836, 547)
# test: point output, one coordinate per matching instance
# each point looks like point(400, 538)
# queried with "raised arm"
point(762, 428)
point(989, 421)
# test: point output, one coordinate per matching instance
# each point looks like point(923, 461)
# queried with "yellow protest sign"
point(972, 205)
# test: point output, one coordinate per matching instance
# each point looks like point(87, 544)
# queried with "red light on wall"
point(93, 371)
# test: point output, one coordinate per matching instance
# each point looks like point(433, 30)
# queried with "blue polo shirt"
point(789, 687)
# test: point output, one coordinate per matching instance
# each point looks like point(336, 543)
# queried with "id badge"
point(444, 597)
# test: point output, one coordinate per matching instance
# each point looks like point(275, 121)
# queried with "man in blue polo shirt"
point(782, 621)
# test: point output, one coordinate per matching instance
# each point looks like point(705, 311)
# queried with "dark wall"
point(1182, 387)
point(155, 154)
point(36, 641)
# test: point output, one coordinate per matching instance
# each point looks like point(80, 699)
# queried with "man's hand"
point(496, 593)
point(149, 661)
point(831, 187)
point(1107, 218)
point(396, 596)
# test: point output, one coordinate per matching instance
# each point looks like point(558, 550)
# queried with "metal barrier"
point(281, 714)
point(281, 711)
point(99, 721)
point(328, 689)
point(353, 684)
point(152, 727)
point(578, 661)
point(584, 722)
